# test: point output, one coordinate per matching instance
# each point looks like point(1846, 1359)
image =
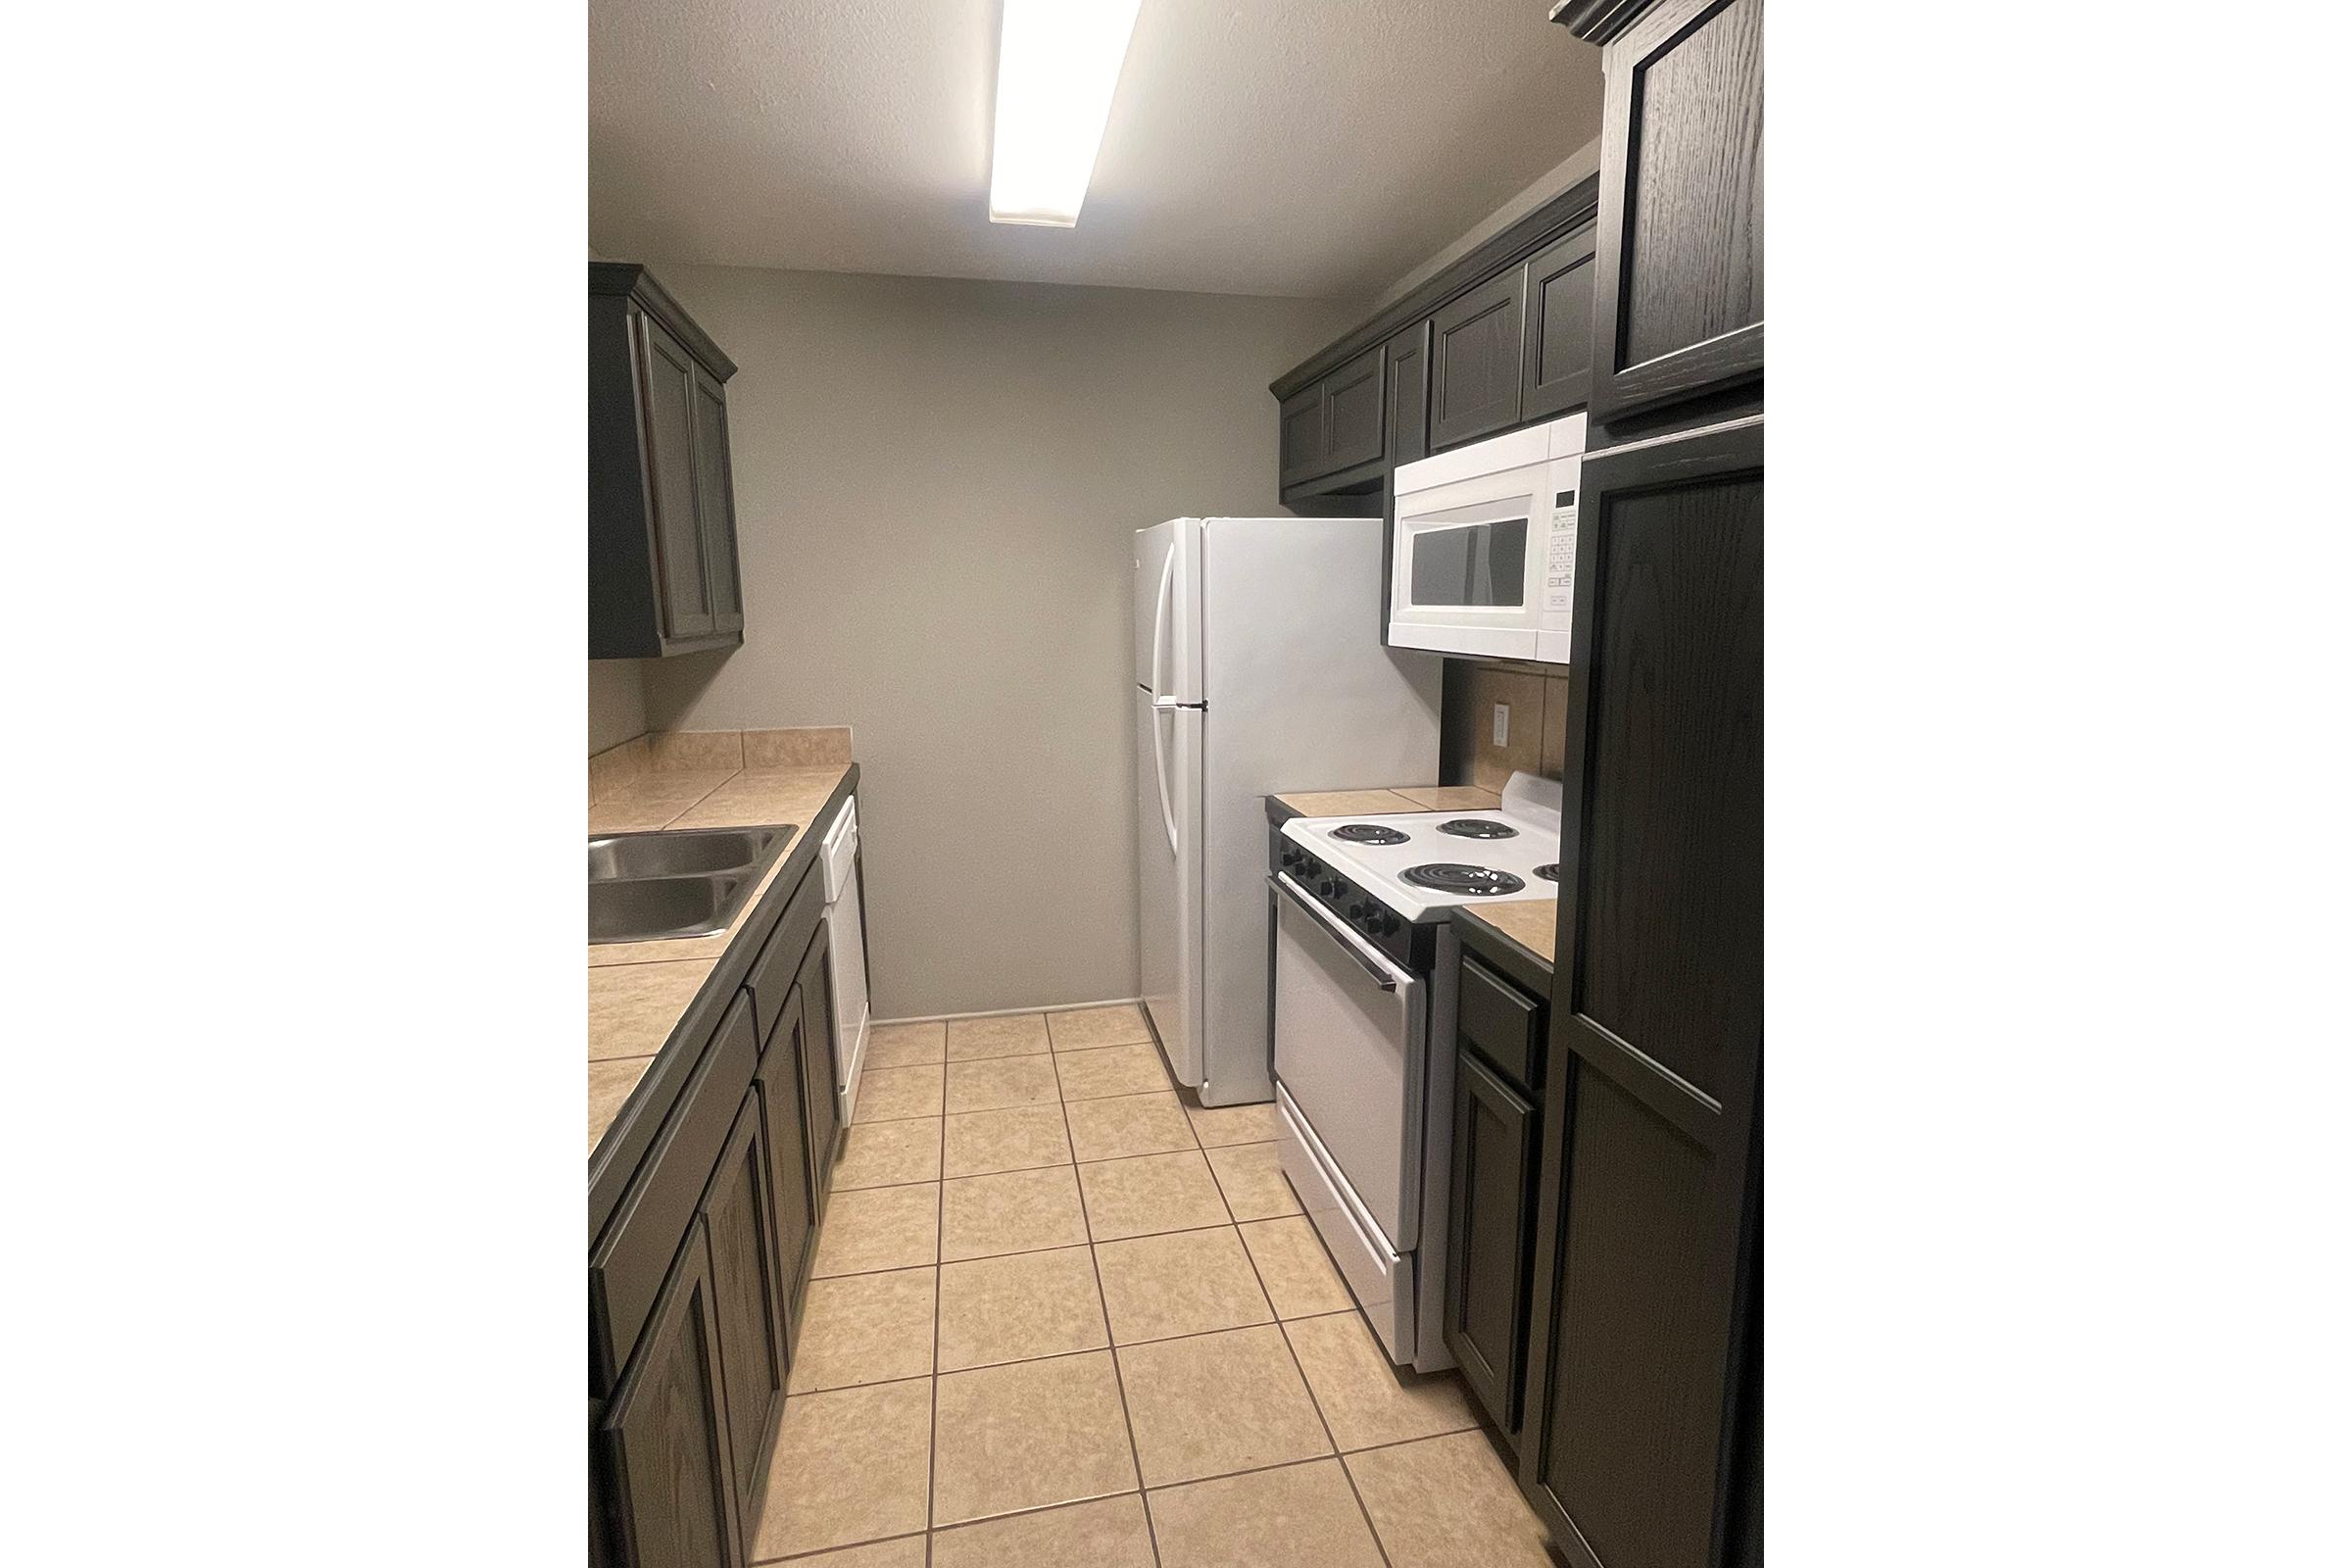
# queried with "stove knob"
point(1389, 924)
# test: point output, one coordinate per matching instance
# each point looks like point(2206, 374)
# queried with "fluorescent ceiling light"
point(1057, 64)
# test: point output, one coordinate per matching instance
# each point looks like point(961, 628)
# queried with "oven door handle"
point(1365, 955)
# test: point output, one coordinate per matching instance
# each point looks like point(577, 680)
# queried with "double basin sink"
point(650, 886)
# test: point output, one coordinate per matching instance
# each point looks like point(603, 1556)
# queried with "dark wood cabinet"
point(1409, 394)
point(662, 576)
point(1646, 1225)
point(748, 1293)
point(714, 501)
point(1474, 362)
point(669, 1486)
point(1336, 425)
point(818, 1080)
point(1304, 442)
point(784, 1104)
point(1491, 1238)
point(1556, 367)
point(1354, 404)
point(1680, 249)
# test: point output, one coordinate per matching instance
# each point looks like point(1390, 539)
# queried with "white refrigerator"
point(1259, 670)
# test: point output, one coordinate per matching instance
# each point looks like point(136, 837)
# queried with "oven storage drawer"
point(1381, 1280)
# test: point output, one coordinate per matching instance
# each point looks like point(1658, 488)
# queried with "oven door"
point(1350, 1051)
point(1467, 563)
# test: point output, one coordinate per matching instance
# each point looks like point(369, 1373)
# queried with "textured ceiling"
point(1282, 147)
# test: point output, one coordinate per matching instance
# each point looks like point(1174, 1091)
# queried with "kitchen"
point(1243, 1185)
point(1177, 925)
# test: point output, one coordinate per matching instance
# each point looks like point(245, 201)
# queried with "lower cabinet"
point(783, 1103)
point(696, 1285)
point(669, 1462)
point(819, 1083)
point(747, 1284)
point(1492, 1237)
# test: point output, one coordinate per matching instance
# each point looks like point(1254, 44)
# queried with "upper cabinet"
point(1680, 263)
point(662, 557)
point(1336, 425)
point(1558, 351)
point(1474, 362)
point(1501, 338)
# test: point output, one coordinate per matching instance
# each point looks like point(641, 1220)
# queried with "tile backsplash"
point(1537, 697)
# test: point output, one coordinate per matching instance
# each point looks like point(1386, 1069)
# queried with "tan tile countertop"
point(1530, 922)
point(638, 991)
point(1392, 800)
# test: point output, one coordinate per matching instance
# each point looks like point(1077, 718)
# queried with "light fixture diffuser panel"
point(1058, 68)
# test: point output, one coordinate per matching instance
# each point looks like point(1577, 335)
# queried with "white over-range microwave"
point(1484, 537)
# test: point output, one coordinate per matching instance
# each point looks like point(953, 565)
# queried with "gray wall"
point(936, 484)
point(615, 701)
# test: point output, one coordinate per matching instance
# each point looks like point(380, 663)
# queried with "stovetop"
point(1486, 851)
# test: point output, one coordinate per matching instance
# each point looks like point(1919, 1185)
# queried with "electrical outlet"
point(1502, 723)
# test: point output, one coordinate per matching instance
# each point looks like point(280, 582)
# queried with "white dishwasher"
point(845, 929)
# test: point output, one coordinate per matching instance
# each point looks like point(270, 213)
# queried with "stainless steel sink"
point(647, 887)
point(693, 852)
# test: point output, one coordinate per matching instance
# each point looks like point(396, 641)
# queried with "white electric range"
point(1363, 1042)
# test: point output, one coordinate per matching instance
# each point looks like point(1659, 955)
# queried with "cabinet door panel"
point(782, 1102)
point(1635, 1384)
point(1671, 944)
point(715, 500)
point(1559, 327)
point(670, 460)
point(1474, 362)
point(1681, 263)
point(1353, 396)
point(667, 1454)
point(1492, 1227)
point(1304, 443)
point(1408, 356)
point(817, 1079)
point(739, 1217)
point(1656, 1027)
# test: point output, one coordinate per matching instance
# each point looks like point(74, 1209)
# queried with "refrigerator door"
point(1167, 874)
point(1167, 610)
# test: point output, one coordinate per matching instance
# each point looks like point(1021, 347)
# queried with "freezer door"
point(1167, 875)
point(1167, 609)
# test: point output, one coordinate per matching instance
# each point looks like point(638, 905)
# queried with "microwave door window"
point(1482, 564)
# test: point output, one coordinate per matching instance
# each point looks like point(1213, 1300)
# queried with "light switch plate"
point(1502, 723)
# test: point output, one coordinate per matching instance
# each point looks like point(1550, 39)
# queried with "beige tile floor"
point(1064, 1318)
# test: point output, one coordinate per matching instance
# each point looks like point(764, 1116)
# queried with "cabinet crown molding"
point(1597, 20)
point(631, 278)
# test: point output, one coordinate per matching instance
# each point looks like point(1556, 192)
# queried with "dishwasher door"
point(1350, 1051)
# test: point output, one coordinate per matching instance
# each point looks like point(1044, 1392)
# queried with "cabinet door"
point(1304, 442)
point(678, 553)
point(747, 1291)
point(1657, 1006)
point(671, 1497)
point(1493, 1229)
point(1558, 368)
point(1679, 269)
point(1353, 399)
point(715, 500)
point(1408, 356)
point(1474, 350)
point(817, 1078)
point(782, 1104)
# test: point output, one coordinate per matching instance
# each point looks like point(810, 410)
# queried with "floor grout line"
point(1339, 1453)
point(1118, 1373)
point(939, 1249)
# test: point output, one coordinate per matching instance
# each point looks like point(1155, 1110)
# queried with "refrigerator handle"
point(1159, 620)
point(1159, 774)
